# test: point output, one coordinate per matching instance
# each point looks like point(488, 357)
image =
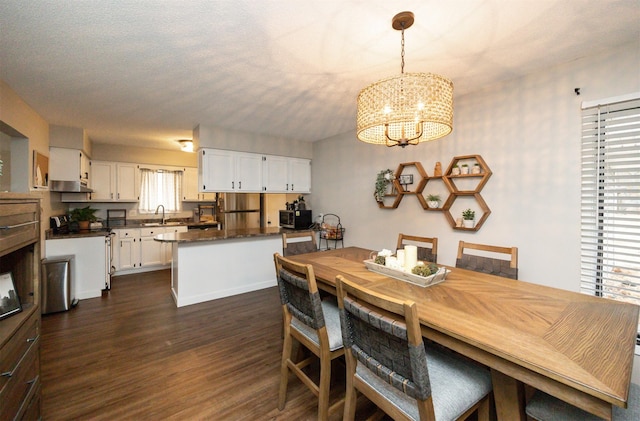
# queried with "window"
point(610, 200)
point(160, 187)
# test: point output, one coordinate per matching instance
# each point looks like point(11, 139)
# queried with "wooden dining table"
point(576, 347)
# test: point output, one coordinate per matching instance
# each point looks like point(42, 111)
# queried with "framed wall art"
point(9, 300)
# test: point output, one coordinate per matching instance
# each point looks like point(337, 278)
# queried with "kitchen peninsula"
point(211, 264)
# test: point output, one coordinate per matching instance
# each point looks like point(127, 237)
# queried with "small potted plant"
point(384, 178)
point(468, 217)
point(455, 170)
point(475, 169)
point(464, 169)
point(433, 200)
point(83, 216)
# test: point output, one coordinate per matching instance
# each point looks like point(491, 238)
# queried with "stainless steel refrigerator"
point(240, 210)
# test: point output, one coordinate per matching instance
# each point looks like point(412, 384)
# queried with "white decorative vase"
point(475, 169)
point(455, 171)
point(468, 223)
point(464, 170)
point(433, 204)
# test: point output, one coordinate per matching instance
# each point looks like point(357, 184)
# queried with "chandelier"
point(407, 109)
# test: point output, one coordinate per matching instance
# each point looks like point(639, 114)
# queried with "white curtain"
point(160, 187)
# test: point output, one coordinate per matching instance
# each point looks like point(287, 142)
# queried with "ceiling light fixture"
point(186, 145)
point(406, 109)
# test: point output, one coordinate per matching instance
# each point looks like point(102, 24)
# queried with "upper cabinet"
point(68, 165)
point(229, 171)
point(114, 181)
point(190, 191)
point(286, 175)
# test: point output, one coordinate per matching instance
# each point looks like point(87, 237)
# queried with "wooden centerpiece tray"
point(422, 281)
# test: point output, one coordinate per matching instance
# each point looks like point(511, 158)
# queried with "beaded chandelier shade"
point(406, 109)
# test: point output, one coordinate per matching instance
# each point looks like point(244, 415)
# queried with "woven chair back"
point(299, 292)
point(382, 342)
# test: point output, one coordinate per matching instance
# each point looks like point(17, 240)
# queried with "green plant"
point(382, 181)
point(421, 270)
point(465, 165)
point(83, 214)
point(468, 215)
point(433, 197)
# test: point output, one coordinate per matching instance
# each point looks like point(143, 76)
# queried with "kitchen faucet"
point(163, 221)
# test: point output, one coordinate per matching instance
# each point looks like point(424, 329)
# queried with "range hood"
point(67, 186)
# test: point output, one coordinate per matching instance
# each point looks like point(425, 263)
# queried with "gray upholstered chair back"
point(382, 345)
point(427, 246)
point(303, 304)
point(298, 243)
point(492, 265)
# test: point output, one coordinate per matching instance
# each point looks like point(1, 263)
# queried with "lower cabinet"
point(136, 250)
point(20, 367)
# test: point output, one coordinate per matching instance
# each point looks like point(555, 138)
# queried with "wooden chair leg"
point(350, 399)
point(323, 386)
point(483, 409)
point(284, 370)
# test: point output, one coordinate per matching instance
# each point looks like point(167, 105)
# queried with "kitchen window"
point(610, 199)
point(160, 187)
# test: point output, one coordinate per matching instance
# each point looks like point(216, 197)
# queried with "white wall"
point(528, 132)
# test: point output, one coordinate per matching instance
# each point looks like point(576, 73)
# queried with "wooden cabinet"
point(229, 171)
point(68, 164)
point(20, 332)
point(114, 181)
point(286, 175)
point(190, 191)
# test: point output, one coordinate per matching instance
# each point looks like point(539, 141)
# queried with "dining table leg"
point(509, 397)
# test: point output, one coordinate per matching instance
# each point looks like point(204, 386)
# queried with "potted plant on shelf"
point(83, 216)
point(475, 169)
point(455, 170)
point(464, 169)
point(384, 178)
point(433, 200)
point(468, 217)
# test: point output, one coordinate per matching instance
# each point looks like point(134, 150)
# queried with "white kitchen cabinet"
point(151, 251)
point(286, 175)
point(68, 164)
point(114, 181)
point(190, 191)
point(167, 248)
point(229, 171)
point(126, 249)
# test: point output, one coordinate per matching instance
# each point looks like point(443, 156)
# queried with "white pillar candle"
point(410, 257)
point(400, 256)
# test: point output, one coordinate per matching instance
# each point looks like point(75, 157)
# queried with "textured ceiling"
point(147, 72)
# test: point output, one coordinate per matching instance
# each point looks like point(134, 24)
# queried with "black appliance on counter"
point(295, 219)
point(59, 224)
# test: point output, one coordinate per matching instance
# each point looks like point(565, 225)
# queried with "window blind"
point(610, 201)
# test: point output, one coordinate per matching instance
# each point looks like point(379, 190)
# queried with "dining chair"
point(485, 264)
point(388, 362)
point(314, 324)
point(298, 243)
point(544, 407)
point(427, 247)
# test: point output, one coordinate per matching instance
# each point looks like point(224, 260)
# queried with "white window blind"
point(610, 201)
point(160, 187)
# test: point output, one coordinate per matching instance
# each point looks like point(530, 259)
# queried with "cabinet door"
point(167, 248)
point(126, 248)
point(248, 172)
point(216, 171)
point(151, 252)
point(128, 180)
point(103, 181)
point(190, 185)
point(300, 175)
point(64, 164)
point(275, 174)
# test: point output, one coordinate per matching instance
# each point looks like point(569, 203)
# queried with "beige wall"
point(118, 153)
point(19, 116)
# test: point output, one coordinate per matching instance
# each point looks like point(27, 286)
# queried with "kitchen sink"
point(158, 224)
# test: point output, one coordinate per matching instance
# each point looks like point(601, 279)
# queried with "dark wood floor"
point(133, 355)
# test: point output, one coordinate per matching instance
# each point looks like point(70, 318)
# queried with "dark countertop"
point(141, 224)
point(102, 232)
point(216, 235)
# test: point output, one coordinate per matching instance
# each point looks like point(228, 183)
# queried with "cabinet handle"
point(32, 339)
point(111, 194)
point(8, 227)
point(118, 196)
point(239, 185)
point(292, 189)
point(287, 186)
point(7, 374)
point(232, 185)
